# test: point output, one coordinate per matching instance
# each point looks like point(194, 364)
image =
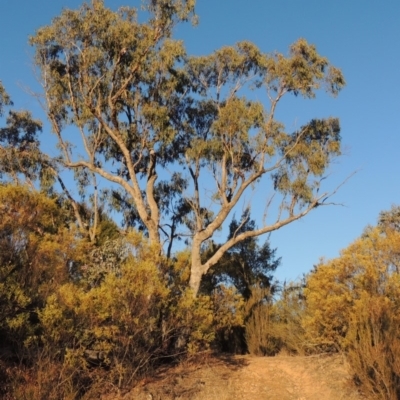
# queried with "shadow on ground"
point(226, 377)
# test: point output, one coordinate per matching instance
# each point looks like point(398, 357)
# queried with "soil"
point(250, 378)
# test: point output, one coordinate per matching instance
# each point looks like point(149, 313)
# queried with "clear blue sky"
point(359, 36)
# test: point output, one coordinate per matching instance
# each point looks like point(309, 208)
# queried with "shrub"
point(288, 318)
point(115, 331)
point(373, 345)
point(35, 247)
point(260, 337)
point(228, 320)
point(353, 305)
point(334, 287)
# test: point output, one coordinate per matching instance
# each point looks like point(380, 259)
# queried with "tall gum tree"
point(143, 109)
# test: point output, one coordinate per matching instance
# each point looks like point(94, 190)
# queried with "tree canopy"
point(179, 140)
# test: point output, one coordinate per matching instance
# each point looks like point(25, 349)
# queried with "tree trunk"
point(195, 280)
point(196, 268)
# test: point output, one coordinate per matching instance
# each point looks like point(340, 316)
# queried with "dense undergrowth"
point(79, 319)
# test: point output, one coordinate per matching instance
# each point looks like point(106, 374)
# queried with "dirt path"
point(251, 378)
point(296, 378)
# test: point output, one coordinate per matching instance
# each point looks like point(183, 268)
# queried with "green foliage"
point(20, 157)
point(188, 319)
point(246, 265)
point(105, 327)
point(35, 247)
point(390, 220)
point(101, 261)
point(236, 283)
point(85, 308)
point(275, 325)
point(142, 108)
point(115, 324)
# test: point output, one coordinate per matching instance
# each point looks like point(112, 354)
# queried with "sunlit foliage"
point(158, 124)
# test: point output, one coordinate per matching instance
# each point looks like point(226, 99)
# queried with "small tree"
point(160, 125)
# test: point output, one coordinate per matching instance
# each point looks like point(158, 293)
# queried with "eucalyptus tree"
point(160, 125)
point(247, 265)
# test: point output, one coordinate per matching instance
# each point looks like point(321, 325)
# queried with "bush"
point(35, 247)
point(373, 348)
point(228, 320)
point(121, 328)
point(259, 323)
point(353, 305)
point(288, 319)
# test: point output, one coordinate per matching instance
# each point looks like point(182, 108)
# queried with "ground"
point(251, 378)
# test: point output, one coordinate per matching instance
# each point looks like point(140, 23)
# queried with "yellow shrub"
point(35, 247)
point(333, 287)
point(353, 305)
point(228, 319)
point(373, 345)
point(126, 324)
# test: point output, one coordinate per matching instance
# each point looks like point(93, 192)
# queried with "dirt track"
point(296, 378)
point(251, 378)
